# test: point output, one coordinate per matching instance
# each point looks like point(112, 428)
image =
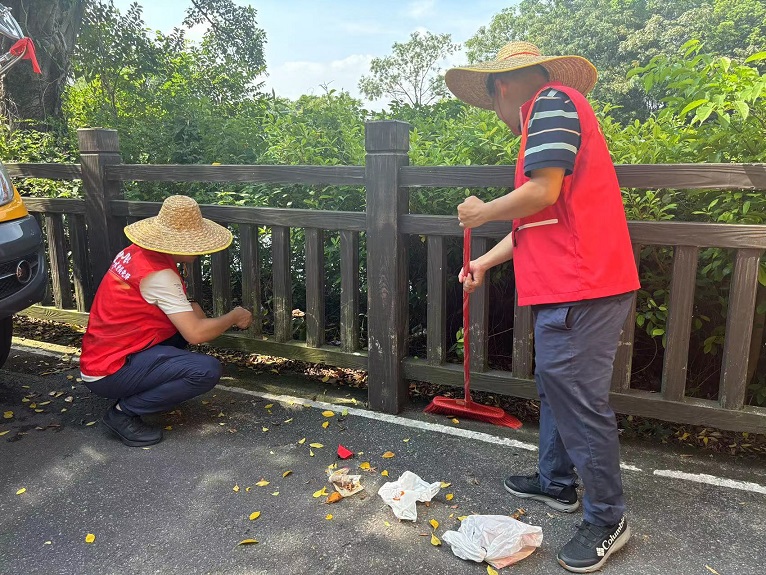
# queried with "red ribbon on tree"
point(26, 47)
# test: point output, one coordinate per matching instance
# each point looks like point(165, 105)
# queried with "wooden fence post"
point(387, 144)
point(99, 148)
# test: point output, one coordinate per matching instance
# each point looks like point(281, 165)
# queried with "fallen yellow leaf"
point(268, 406)
point(7, 415)
point(365, 465)
point(435, 541)
point(264, 429)
point(334, 497)
point(491, 571)
point(90, 538)
point(387, 524)
point(22, 490)
point(169, 428)
point(434, 523)
point(384, 473)
point(449, 497)
point(44, 403)
point(316, 445)
point(90, 423)
point(328, 517)
point(713, 571)
point(388, 455)
point(288, 420)
point(328, 413)
point(325, 379)
point(311, 452)
point(325, 424)
point(262, 483)
point(48, 543)
point(286, 473)
point(321, 493)
point(455, 420)
point(39, 410)
point(247, 542)
point(275, 494)
point(4, 432)
point(248, 489)
point(302, 441)
point(406, 440)
point(462, 517)
point(332, 466)
point(344, 413)
point(255, 515)
point(235, 489)
point(445, 484)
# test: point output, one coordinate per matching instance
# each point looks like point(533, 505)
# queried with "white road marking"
point(395, 419)
point(711, 480)
point(455, 431)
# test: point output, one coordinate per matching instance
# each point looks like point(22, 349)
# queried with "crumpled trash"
point(402, 495)
point(344, 483)
point(497, 539)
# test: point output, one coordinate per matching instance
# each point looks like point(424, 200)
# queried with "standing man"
point(574, 265)
point(141, 321)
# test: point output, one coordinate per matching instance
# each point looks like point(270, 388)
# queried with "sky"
point(322, 42)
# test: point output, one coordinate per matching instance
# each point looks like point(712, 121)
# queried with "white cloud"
point(420, 8)
point(295, 78)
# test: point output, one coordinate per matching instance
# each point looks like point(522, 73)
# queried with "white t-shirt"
point(163, 289)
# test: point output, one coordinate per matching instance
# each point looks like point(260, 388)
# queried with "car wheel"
point(6, 333)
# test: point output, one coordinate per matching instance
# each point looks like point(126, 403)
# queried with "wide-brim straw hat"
point(469, 83)
point(179, 229)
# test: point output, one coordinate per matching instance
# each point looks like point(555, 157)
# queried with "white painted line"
point(711, 480)
point(38, 351)
point(395, 419)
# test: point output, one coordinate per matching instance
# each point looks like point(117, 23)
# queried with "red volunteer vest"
point(579, 248)
point(121, 321)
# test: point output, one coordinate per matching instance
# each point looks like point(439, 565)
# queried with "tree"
point(53, 25)
point(411, 74)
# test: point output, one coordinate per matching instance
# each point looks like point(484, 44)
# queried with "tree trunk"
point(53, 25)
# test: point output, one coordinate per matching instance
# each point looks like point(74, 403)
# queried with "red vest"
point(121, 321)
point(586, 253)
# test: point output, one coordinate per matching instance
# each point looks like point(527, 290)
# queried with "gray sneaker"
point(528, 487)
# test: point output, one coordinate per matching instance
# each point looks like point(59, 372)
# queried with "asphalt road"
point(173, 508)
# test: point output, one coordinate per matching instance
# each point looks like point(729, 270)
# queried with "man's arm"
point(195, 329)
point(500, 253)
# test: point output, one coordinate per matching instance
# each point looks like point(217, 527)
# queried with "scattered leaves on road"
point(434, 523)
point(384, 473)
point(302, 441)
point(235, 489)
point(325, 424)
point(328, 413)
point(491, 571)
point(334, 497)
point(435, 541)
point(22, 490)
point(321, 493)
point(262, 483)
point(365, 466)
point(90, 538)
point(449, 496)
point(255, 515)
point(7, 415)
point(316, 445)
point(328, 517)
point(286, 473)
point(713, 571)
point(445, 484)
point(456, 421)
point(247, 542)
point(4, 432)
point(388, 455)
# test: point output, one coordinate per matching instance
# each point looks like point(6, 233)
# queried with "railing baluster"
point(739, 328)
point(479, 312)
point(523, 336)
point(282, 281)
point(623, 359)
point(436, 320)
point(349, 290)
point(251, 275)
point(679, 324)
point(62, 290)
point(220, 272)
point(83, 282)
point(315, 274)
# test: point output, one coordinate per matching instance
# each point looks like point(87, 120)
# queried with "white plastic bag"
point(403, 494)
point(497, 539)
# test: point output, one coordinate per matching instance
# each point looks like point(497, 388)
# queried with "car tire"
point(6, 333)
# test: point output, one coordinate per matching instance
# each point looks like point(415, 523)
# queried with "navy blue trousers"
point(575, 346)
point(159, 378)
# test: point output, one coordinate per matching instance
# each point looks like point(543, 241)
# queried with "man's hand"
point(471, 212)
point(242, 317)
point(474, 279)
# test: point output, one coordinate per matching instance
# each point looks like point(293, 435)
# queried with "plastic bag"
point(497, 539)
point(405, 492)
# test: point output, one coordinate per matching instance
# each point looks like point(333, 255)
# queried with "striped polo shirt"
point(554, 133)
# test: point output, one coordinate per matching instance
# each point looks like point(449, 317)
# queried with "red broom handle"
point(466, 317)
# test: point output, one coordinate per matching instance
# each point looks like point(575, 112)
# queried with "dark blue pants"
point(159, 378)
point(575, 348)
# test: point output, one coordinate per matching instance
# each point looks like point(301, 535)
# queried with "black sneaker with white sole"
point(528, 487)
point(589, 549)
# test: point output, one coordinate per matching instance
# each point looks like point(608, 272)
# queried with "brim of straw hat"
point(469, 83)
point(149, 234)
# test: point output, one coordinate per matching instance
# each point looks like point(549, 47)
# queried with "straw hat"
point(469, 83)
point(179, 229)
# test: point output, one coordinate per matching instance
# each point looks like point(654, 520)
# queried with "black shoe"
point(589, 549)
point(528, 487)
point(130, 428)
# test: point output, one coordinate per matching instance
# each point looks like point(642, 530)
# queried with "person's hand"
point(242, 317)
point(471, 212)
point(474, 279)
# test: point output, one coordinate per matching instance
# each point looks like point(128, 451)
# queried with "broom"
point(466, 407)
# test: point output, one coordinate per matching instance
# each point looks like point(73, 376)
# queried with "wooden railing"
point(386, 223)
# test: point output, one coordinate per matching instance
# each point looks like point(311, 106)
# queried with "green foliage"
point(411, 74)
